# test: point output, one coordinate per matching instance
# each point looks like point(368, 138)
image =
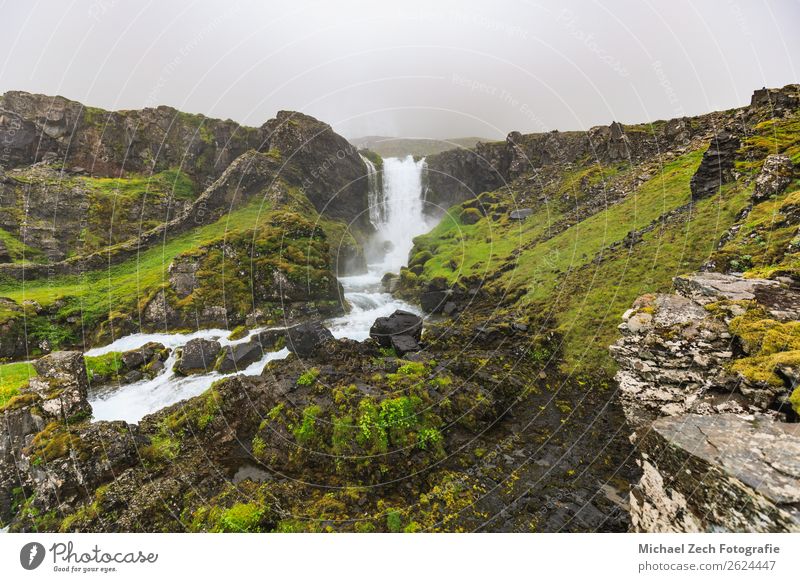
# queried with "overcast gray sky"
point(435, 68)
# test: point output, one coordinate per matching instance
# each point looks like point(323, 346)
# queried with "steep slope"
point(579, 225)
point(77, 179)
point(260, 220)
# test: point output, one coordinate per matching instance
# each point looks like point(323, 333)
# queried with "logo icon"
point(31, 555)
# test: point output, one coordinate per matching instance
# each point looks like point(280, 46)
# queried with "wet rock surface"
point(723, 472)
point(306, 338)
point(399, 323)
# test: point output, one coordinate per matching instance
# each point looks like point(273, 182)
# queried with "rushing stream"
point(396, 210)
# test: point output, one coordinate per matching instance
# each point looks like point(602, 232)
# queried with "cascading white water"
point(374, 194)
point(403, 205)
point(398, 218)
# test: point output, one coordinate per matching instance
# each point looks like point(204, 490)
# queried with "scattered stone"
point(237, 357)
point(450, 308)
point(520, 213)
point(404, 344)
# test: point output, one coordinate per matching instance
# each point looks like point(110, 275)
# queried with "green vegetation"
point(577, 274)
point(14, 377)
point(304, 433)
point(241, 518)
point(105, 366)
point(770, 345)
point(308, 377)
point(19, 251)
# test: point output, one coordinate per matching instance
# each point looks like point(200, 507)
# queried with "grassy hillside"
point(578, 262)
point(289, 237)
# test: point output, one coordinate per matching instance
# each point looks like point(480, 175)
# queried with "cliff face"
point(37, 128)
point(76, 179)
point(458, 175)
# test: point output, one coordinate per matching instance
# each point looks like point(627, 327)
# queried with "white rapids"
point(397, 213)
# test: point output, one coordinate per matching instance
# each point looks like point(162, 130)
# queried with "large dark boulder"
point(304, 339)
point(197, 356)
point(397, 324)
point(237, 357)
point(271, 340)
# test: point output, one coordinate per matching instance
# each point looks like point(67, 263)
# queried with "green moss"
point(14, 377)
point(428, 438)
point(241, 518)
point(259, 446)
point(197, 413)
point(54, 442)
point(305, 432)
point(394, 521)
point(238, 332)
point(470, 216)
point(105, 366)
point(794, 400)
point(19, 251)
point(308, 377)
point(770, 345)
point(162, 448)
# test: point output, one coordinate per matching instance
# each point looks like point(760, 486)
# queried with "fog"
point(411, 68)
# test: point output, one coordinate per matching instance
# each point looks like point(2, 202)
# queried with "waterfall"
point(396, 212)
point(375, 196)
point(403, 210)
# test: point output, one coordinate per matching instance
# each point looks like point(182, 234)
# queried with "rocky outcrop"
point(776, 101)
point(237, 357)
point(776, 174)
point(197, 356)
point(725, 472)
point(716, 167)
point(228, 163)
point(36, 127)
point(455, 176)
point(57, 395)
point(704, 379)
point(331, 173)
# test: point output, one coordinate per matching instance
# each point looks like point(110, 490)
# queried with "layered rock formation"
point(58, 152)
point(706, 380)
